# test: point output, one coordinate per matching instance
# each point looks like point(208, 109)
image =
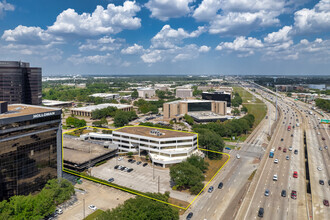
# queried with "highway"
point(275, 206)
point(223, 203)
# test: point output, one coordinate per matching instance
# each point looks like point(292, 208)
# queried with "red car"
point(326, 202)
point(279, 148)
point(295, 174)
point(294, 194)
point(284, 150)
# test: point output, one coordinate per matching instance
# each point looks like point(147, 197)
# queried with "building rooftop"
point(145, 131)
point(100, 106)
point(16, 110)
point(104, 95)
point(189, 101)
point(145, 89)
point(54, 102)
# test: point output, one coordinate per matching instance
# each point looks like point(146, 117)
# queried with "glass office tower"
point(30, 148)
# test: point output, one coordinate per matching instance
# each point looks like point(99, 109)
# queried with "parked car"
point(220, 185)
point(319, 168)
point(267, 192)
point(293, 194)
point(122, 168)
point(326, 202)
point(129, 170)
point(126, 169)
point(211, 189)
point(323, 139)
point(290, 148)
point(326, 147)
point(283, 193)
point(279, 148)
point(261, 212)
point(145, 164)
point(130, 160)
point(321, 182)
point(282, 139)
point(120, 158)
point(329, 182)
point(138, 163)
point(92, 207)
point(296, 151)
point(238, 156)
point(227, 148)
point(320, 148)
point(189, 216)
point(275, 177)
point(276, 161)
point(287, 158)
point(284, 150)
point(111, 180)
point(116, 167)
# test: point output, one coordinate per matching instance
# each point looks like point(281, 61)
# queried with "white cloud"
point(169, 38)
point(28, 35)
point(166, 9)
point(313, 20)
point(204, 49)
point(132, 49)
point(4, 6)
point(207, 10)
point(279, 36)
point(94, 59)
point(239, 17)
point(111, 20)
point(105, 43)
point(241, 44)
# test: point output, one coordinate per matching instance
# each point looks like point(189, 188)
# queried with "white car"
point(276, 161)
point(238, 156)
point(275, 177)
point(290, 148)
point(319, 168)
point(92, 207)
point(120, 158)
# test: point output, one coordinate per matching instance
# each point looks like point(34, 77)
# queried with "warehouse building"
point(30, 148)
point(87, 111)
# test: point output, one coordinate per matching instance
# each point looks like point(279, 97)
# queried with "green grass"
point(94, 215)
point(257, 108)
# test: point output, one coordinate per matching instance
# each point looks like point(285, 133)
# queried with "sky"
point(194, 37)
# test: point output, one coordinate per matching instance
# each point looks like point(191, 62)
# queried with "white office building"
point(164, 147)
point(146, 92)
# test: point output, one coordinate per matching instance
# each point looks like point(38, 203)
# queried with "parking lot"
point(144, 179)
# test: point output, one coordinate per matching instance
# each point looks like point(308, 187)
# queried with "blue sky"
point(168, 36)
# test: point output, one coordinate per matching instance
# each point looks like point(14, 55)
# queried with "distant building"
point(55, 103)
point(106, 96)
point(317, 86)
point(217, 96)
point(30, 148)
point(164, 147)
point(146, 92)
point(177, 109)
point(20, 83)
point(87, 111)
point(183, 93)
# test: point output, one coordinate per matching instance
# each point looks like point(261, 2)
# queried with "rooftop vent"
point(156, 133)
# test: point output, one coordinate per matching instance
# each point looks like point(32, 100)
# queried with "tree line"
point(323, 104)
point(40, 205)
point(237, 100)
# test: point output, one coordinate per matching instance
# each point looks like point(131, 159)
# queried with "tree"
point(189, 119)
point(198, 162)
point(288, 94)
point(135, 94)
point(75, 122)
point(244, 109)
point(210, 140)
point(161, 94)
point(235, 111)
point(120, 119)
point(186, 175)
point(142, 208)
point(130, 154)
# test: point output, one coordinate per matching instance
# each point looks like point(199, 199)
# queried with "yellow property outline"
point(132, 192)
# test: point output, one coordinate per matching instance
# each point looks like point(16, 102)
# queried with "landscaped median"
point(181, 205)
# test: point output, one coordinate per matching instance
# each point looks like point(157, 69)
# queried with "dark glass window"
point(199, 106)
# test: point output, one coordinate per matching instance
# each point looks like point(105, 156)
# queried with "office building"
point(146, 92)
point(217, 96)
point(30, 148)
point(87, 111)
point(177, 109)
point(20, 83)
point(164, 147)
point(183, 93)
point(106, 96)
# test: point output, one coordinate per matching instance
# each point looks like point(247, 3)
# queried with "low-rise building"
point(87, 111)
point(177, 109)
point(146, 92)
point(106, 96)
point(184, 93)
point(55, 103)
point(164, 147)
